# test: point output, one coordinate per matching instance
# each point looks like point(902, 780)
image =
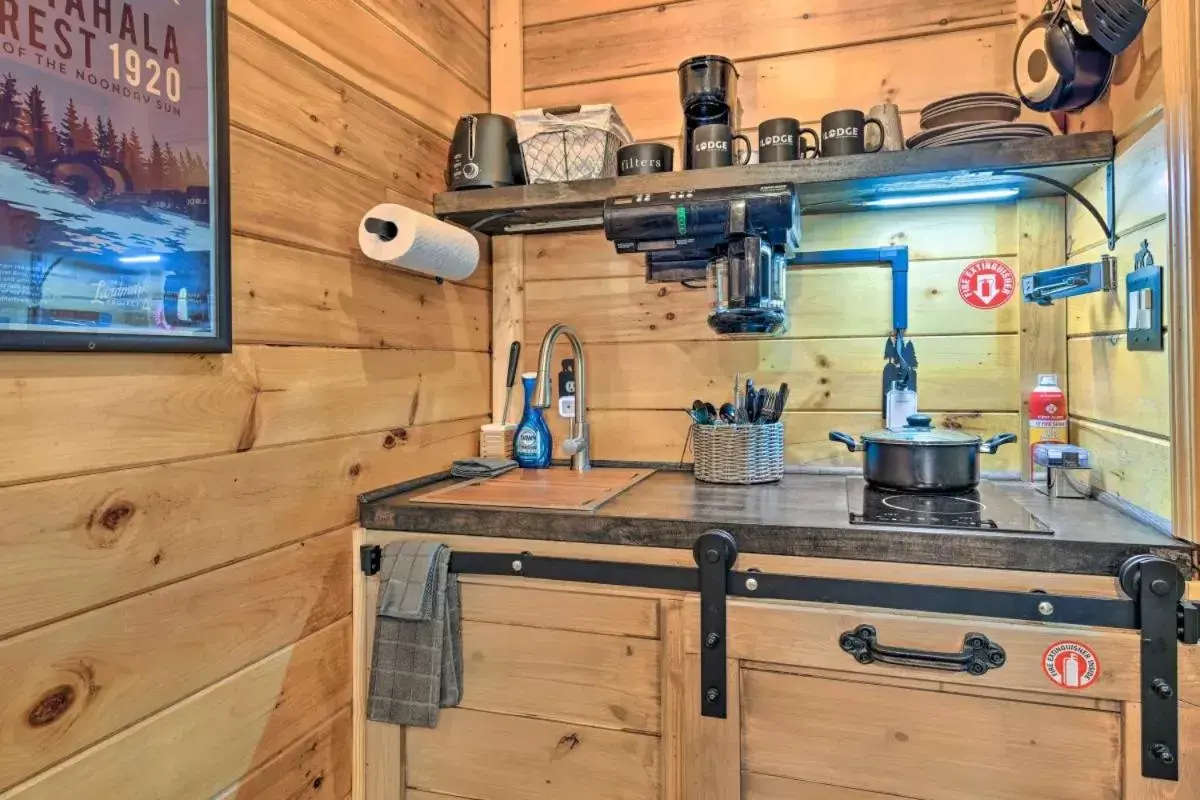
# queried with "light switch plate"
point(1144, 303)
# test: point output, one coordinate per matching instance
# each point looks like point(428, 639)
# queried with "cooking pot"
point(920, 458)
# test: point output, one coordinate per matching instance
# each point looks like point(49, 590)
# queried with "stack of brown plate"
point(971, 119)
point(977, 107)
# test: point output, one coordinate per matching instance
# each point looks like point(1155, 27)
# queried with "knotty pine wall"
point(1120, 400)
point(650, 351)
point(175, 543)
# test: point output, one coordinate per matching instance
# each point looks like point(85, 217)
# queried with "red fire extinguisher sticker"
point(1071, 665)
point(986, 284)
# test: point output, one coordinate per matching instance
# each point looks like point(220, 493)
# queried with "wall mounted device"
point(1059, 283)
point(900, 356)
point(738, 238)
point(743, 243)
point(1144, 302)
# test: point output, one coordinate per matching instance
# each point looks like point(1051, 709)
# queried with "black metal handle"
point(845, 439)
point(979, 654)
point(993, 444)
point(514, 361)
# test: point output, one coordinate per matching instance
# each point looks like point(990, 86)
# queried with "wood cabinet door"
point(579, 692)
point(807, 720)
point(562, 699)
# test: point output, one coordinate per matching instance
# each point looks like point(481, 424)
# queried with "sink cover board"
point(558, 488)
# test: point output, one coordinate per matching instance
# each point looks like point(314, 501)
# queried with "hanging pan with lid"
point(921, 458)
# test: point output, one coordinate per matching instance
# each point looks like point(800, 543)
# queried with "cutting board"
point(557, 488)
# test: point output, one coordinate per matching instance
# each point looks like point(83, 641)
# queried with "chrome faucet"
point(577, 445)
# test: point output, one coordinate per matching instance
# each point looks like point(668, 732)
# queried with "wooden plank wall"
point(175, 546)
point(650, 350)
point(1120, 400)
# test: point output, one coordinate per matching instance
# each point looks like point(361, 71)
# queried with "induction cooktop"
point(986, 508)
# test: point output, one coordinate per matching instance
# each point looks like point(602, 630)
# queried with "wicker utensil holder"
point(740, 454)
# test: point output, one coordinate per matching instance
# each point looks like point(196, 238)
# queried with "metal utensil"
point(781, 401)
point(770, 414)
point(764, 406)
point(514, 360)
point(729, 413)
point(760, 405)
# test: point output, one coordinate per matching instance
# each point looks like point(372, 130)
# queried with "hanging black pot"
point(1056, 68)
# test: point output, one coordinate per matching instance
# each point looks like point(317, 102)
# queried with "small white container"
point(901, 404)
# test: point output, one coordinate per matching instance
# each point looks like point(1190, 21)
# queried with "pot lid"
point(920, 431)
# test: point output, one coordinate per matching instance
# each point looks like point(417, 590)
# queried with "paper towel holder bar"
point(384, 229)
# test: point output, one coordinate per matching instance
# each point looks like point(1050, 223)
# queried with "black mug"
point(783, 140)
point(712, 146)
point(842, 133)
point(645, 158)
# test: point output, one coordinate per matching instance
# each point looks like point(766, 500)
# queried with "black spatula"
point(1115, 24)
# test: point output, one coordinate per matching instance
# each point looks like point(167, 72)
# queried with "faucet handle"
point(572, 446)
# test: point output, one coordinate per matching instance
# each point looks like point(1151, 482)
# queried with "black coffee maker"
point(708, 92)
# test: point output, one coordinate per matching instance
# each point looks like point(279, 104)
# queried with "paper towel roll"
point(405, 238)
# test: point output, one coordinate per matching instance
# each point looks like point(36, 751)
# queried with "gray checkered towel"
point(416, 667)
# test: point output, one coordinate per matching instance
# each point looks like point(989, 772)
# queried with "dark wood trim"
point(825, 185)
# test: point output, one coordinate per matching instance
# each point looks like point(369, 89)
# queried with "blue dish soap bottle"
point(532, 445)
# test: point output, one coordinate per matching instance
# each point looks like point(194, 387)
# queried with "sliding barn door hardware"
point(1155, 607)
point(1157, 588)
point(715, 552)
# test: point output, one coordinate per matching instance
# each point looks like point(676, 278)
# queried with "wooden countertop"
point(803, 515)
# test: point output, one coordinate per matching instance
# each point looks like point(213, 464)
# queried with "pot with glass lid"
point(921, 458)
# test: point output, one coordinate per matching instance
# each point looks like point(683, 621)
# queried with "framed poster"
point(114, 176)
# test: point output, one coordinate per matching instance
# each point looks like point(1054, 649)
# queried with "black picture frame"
point(220, 221)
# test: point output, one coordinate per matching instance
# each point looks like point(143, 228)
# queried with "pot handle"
point(845, 439)
point(993, 444)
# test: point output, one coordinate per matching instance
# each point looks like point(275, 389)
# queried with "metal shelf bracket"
point(1107, 222)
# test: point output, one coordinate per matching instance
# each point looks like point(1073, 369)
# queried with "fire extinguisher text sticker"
point(986, 284)
point(1071, 665)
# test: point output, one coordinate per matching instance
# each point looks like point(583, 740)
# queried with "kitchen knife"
point(514, 360)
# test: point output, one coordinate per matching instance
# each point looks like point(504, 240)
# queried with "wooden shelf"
point(825, 186)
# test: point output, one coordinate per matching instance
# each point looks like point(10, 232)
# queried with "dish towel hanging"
point(416, 666)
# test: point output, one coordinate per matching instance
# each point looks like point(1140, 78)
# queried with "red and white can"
point(1047, 415)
